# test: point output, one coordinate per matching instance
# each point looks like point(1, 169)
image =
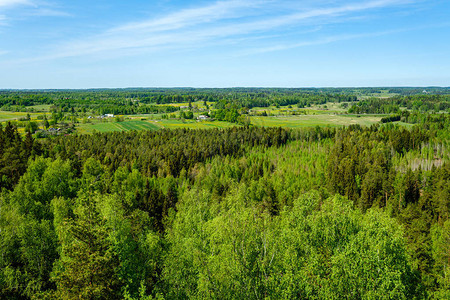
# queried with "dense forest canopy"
point(248, 212)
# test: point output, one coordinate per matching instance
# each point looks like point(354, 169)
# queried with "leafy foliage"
point(241, 213)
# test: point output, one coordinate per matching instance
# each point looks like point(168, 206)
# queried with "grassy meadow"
point(8, 115)
point(40, 108)
point(314, 120)
point(116, 126)
point(128, 125)
point(194, 124)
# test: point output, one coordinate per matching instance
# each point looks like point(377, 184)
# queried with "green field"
point(146, 122)
point(117, 126)
point(382, 94)
point(198, 104)
point(326, 109)
point(149, 125)
point(40, 108)
point(10, 115)
point(7, 115)
point(314, 120)
point(271, 121)
point(407, 125)
point(193, 124)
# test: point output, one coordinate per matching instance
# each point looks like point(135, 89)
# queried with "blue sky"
point(228, 43)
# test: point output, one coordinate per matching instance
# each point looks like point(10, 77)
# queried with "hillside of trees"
point(240, 213)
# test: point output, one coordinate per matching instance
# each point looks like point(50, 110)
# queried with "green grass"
point(193, 124)
point(149, 125)
point(41, 107)
point(311, 119)
point(314, 120)
point(407, 125)
point(329, 108)
point(278, 121)
point(382, 94)
point(135, 123)
point(314, 117)
point(8, 115)
point(199, 104)
point(117, 126)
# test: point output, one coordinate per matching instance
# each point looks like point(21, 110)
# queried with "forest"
point(246, 212)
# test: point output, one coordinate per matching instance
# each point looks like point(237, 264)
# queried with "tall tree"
point(87, 268)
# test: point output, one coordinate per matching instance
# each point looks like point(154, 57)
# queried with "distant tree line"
point(416, 103)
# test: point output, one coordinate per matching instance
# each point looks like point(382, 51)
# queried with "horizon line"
point(218, 88)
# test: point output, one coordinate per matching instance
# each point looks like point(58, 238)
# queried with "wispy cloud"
point(322, 12)
point(188, 17)
point(320, 41)
point(335, 38)
point(3, 21)
point(20, 9)
point(47, 12)
point(10, 3)
point(213, 23)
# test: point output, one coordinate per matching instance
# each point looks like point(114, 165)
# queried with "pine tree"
point(87, 269)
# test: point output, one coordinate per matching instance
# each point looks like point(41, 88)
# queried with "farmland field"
point(314, 120)
point(149, 125)
point(153, 122)
point(40, 107)
point(7, 115)
point(270, 121)
point(117, 126)
point(193, 124)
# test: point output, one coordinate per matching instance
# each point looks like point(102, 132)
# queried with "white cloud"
point(312, 14)
point(47, 12)
point(208, 25)
point(19, 9)
point(3, 21)
point(321, 41)
point(188, 17)
point(9, 3)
